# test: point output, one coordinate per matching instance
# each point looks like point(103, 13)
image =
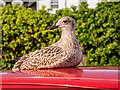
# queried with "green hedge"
point(97, 31)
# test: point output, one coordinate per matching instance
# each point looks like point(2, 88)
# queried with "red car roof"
point(83, 77)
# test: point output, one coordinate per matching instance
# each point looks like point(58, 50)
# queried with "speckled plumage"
point(64, 53)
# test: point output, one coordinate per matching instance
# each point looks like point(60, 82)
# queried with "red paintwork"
point(84, 77)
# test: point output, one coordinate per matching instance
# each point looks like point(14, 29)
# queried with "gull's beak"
point(53, 27)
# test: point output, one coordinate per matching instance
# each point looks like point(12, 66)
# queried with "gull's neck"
point(67, 34)
point(68, 41)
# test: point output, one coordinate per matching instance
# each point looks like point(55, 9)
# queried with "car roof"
point(82, 77)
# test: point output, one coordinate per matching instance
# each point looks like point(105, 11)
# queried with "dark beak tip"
point(53, 27)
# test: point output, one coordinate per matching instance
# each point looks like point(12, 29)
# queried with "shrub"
point(97, 31)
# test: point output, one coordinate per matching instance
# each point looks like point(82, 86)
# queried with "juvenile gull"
point(64, 53)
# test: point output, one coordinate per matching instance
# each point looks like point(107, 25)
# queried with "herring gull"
point(64, 53)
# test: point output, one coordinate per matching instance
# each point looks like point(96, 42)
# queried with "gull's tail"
point(14, 60)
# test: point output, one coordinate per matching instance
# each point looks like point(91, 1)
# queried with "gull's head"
point(65, 23)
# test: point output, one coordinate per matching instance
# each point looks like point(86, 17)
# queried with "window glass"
point(54, 3)
point(1, 5)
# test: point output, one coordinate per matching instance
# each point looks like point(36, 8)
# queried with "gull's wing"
point(47, 57)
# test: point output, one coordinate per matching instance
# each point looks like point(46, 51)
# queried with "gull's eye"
point(65, 21)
